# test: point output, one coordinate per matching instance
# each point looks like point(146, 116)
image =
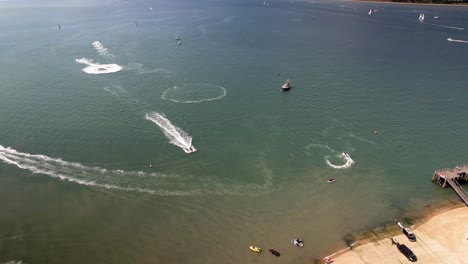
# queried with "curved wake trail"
point(175, 135)
point(137, 181)
point(345, 156)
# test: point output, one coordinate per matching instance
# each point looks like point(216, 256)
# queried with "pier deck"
point(454, 177)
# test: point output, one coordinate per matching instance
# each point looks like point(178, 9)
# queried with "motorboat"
point(331, 180)
point(286, 86)
point(178, 42)
point(255, 249)
point(178, 38)
point(298, 242)
point(274, 252)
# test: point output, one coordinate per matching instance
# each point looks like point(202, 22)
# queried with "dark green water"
point(75, 182)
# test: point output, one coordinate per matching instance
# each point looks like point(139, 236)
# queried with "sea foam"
point(97, 68)
point(103, 51)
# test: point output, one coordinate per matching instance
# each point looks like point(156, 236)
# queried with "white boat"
point(421, 17)
point(286, 86)
point(178, 38)
point(178, 42)
point(370, 12)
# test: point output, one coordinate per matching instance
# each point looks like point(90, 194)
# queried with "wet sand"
point(443, 238)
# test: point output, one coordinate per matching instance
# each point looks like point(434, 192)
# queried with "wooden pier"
point(453, 177)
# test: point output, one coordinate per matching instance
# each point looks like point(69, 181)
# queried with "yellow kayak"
point(255, 249)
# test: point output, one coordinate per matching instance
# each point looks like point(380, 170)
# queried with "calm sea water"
point(75, 147)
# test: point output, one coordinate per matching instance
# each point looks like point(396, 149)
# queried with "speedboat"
point(298, 242)
point(274, 252)
point(286, 86)
point(255, 249)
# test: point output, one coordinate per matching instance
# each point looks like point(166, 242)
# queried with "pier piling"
point(453, 177)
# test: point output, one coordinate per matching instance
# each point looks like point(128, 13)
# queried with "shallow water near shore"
point(86, 108)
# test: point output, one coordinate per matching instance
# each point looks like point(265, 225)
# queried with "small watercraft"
point(298, 242)
point(286, 86)
point(421, 17)
point(178, 38)
point(331, 180)
point(178, 42)
point(274, 252)
point(255, 249)
point(370, 12)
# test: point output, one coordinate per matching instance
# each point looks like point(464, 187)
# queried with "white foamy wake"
point(137, 181)
point(165, 97)
point(345, 156)
point(103, 51)
point(444, 26)
point(97, 68)
point(457, 40)
point(175, 135)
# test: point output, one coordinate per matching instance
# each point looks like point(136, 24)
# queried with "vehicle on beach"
point(410, 235)
point(407, 252)
point(274, 252)
point(255, 249)
point(298, 242)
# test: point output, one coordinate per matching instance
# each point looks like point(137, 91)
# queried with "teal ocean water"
point(85, 108)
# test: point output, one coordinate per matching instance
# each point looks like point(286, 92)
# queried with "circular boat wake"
point(346, 157)
point(194, 93)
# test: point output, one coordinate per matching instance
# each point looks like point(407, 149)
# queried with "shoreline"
point(404, 3)
point(369, 246)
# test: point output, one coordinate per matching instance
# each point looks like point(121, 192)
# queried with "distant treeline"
point(428, 1)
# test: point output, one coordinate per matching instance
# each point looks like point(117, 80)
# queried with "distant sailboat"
point(421, 17)
point(370, 12)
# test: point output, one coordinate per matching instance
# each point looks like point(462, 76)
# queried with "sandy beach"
point(441, 239)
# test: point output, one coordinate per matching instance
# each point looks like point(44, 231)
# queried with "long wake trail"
point(445, 26)
point(457, 40)
point(75, 172)
point(175, 134)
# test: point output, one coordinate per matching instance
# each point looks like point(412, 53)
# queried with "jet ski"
point(274, 252)
point(298, 242)
point(255, 249)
